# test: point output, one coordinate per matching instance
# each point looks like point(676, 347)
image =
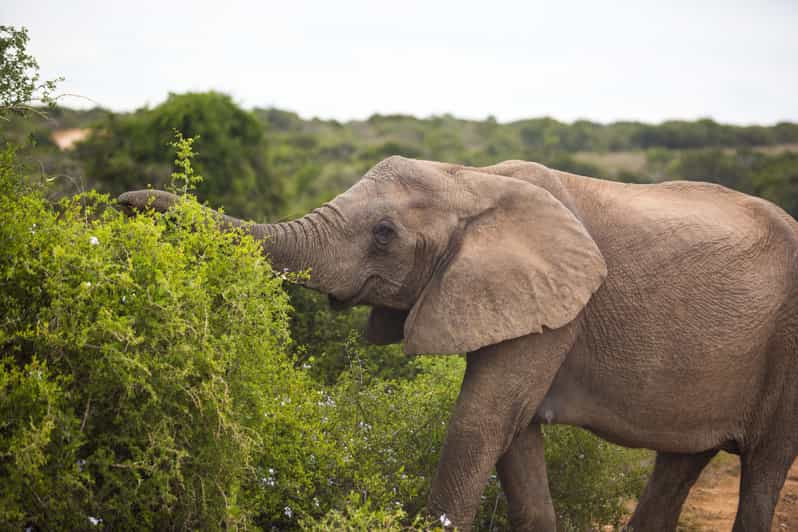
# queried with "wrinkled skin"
point(658, 316)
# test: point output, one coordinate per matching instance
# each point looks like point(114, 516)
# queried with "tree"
point(130, 151)
point(20, 84)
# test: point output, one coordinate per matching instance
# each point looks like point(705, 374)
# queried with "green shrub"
point(590, 479)
point(139, 360)
point(358, 516)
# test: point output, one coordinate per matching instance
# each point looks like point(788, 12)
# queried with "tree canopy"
point(126, 151)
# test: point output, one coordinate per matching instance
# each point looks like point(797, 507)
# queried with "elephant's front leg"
point(522, 471)
point(501, 390)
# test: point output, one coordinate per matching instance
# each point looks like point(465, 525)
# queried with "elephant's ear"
point(523, 261)
point(385, 326)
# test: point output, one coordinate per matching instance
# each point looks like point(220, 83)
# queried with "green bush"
point(591, 479)
point(358, 516)
point(323, 340)
point(140, 359)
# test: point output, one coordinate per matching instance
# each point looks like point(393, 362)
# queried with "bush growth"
point(135, 356)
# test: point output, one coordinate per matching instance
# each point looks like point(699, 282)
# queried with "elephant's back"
point(690, 225)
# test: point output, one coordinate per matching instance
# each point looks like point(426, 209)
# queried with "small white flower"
point(95, 520)
point(289, 513)
point(445, 521)
point(81, 463)
point(269, 480)
point(328, 401)
point(124, 299)
point(93, 240)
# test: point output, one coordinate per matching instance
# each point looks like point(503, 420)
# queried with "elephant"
point(660, 316)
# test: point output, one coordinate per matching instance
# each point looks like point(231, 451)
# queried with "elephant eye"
point(384, 233)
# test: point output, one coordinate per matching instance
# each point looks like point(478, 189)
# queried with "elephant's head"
point(450, 258)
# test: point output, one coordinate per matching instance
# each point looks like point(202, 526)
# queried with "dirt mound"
point(712, 503)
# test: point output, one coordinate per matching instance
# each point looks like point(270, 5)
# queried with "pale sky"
point(736, 62)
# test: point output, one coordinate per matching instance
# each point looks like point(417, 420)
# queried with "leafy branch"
point(183, 179)
point(20, 84)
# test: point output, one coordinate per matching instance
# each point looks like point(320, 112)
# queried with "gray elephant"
point(659, 316)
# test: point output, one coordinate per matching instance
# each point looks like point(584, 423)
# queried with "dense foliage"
point(135, 355)
point(130, 151)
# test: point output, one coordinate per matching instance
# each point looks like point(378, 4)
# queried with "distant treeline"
point(581, 135)
point(271, 163)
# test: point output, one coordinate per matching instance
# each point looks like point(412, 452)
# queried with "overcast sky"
point(644, 60)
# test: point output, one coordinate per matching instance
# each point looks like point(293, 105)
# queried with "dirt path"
point(712, 503)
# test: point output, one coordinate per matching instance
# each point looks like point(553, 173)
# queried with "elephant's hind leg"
point(766, 459)
point(659, 508)
point(763, 472)
point(522, 471)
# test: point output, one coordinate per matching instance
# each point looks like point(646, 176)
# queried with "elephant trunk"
point(295, 246)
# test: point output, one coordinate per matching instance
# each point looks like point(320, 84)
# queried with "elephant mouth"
point(339, 304)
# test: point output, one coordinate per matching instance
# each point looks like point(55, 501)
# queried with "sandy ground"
point(712, 503)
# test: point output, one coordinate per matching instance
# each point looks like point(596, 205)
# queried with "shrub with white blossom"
point(140, 359)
